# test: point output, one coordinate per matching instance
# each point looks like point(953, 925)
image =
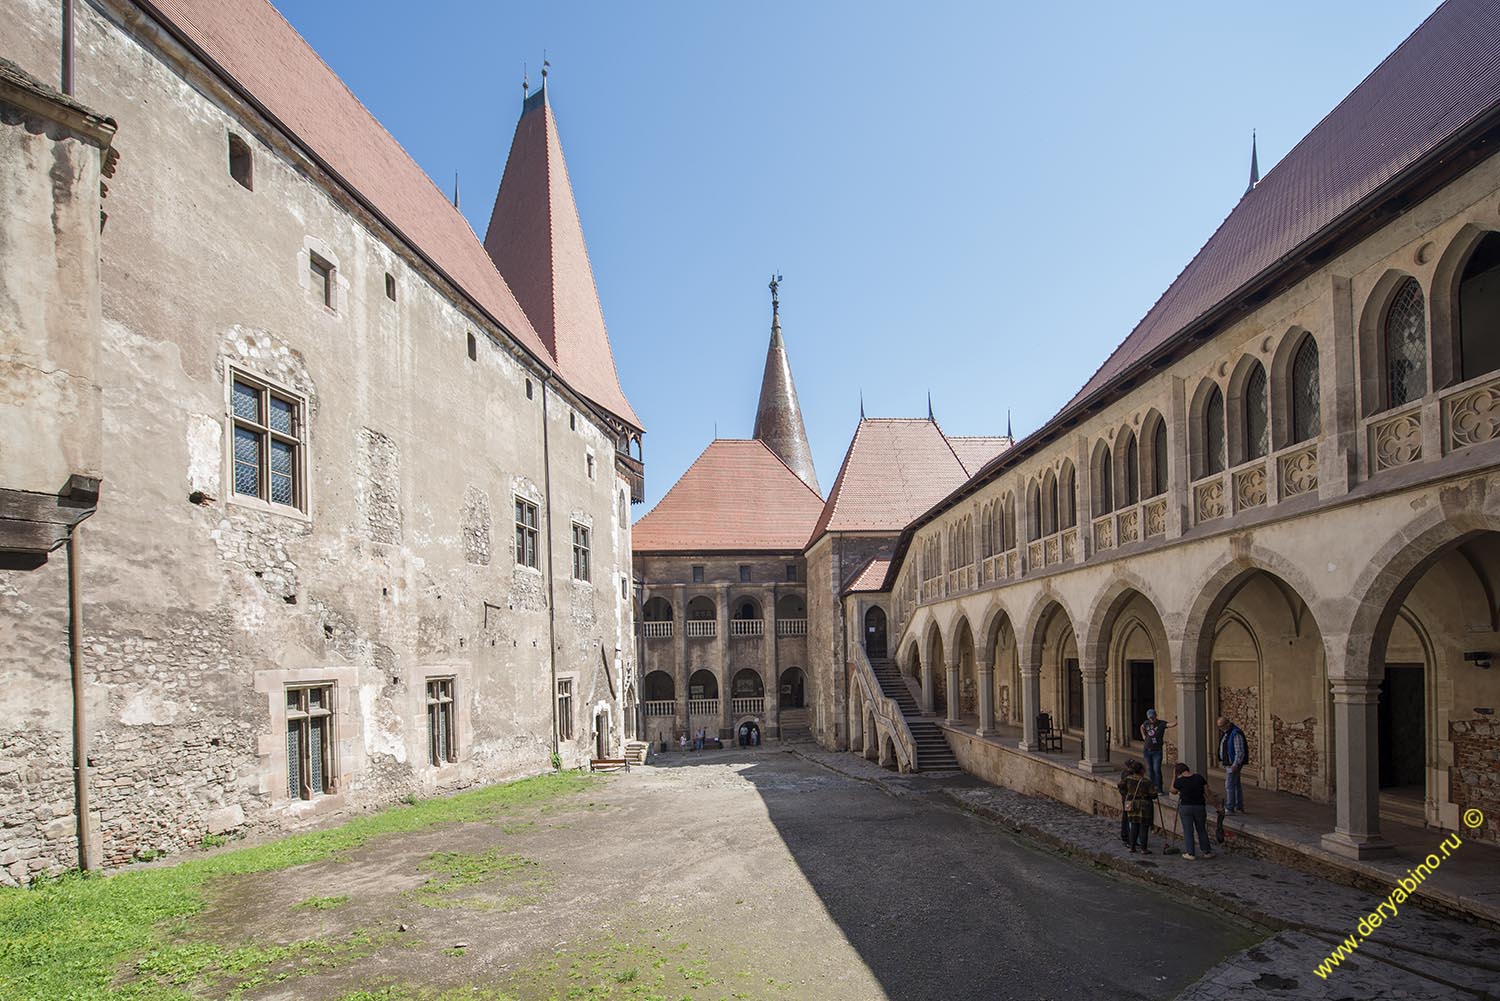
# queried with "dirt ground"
point(744, 874)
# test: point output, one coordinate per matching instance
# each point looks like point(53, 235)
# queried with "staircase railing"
point(885, 709)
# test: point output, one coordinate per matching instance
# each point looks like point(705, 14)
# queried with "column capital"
point(1191, 680)
point(1355, 689)
point(1093, 675)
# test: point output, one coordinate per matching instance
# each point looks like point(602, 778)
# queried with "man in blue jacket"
point(1233, 753)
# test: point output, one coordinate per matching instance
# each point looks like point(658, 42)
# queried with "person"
point(698, 739)
point(1125, 773)
point(682, 740)
point(1140, 799)
point(1193, 795)
point(1152, 733)
point(755, 736)
point(1233, 753)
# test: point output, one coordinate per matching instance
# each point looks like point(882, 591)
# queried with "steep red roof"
point(536, 240)
point(895, 469)
point(735, 497)
point(1443, 76)
point(975, 450)
point(252, 45)
point(871, 578)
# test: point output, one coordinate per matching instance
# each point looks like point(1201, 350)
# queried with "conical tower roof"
point(778, 419)
point(536, 241)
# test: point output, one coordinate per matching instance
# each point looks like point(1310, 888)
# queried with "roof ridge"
point(662, 499)
point(779, 459)
point(830, 506)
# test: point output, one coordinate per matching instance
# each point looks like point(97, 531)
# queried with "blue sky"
point(976, 199)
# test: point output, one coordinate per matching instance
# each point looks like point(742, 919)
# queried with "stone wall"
point(1474, 779)
point(1294, 754)
point(1242, 705)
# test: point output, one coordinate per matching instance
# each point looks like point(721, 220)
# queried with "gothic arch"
point(1282, 387)
point(1149, 457)
point(1198, 444)
point(1443, 304)
point(1237, 405)
point(1372, 360)
point(1218, 587)
point(1100, 621)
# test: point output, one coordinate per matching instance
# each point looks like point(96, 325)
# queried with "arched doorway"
point(748, 734)
point(793, 688)
point(601, 734)
point(875, 647)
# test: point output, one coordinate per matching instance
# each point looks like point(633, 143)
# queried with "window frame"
point(582, 552)
point(321, 269)
point(1402, 290)
point(528, 534)
point(299, 441)
point(565, 727)
point(442, 720)
point(302, 719)
point(241, 161)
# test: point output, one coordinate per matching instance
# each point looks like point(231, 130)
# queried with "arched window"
point(1008, 524)
point(1068, 497)
point(1305, 400)
point(1104, 482)
point(1405, 345)
point(1159, 459)
point(1049, 504)
point(1213, 433)
point(1257, 414)
point(1479, 310)
point(1132, 482)
point(1034, 514)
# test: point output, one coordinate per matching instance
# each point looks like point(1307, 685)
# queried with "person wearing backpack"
point(1140, 804)
point(1233, 753)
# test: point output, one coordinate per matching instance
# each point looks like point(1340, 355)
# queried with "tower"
point(778, 418)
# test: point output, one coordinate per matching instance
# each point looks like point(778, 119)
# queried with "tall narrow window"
point(1132, 469)
point(1213, 433)
point(564, 708)
point(473, 348)
point(268, 442)
point(1257, 422)
point(791, 573)
point(390, 292)
point(744, 573)
point(1479, 310)
point(321, 273)
point(309, 741)
point(580, 552)
point(1049, 505)
point(441, 746)
point(1306, 422)
point(1009, 526)
point(1034, 514)
point(241, 166)
point(1067, 498)
point(526, 533)
point(1406, 345)
point(1159, 459)
point(1104, 483)
point(698, 575)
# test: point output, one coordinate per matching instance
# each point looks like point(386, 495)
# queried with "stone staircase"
point(635, 751)
point(795, 725)
point(933, 752)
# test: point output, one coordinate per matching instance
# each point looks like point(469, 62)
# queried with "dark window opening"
point(473, 348)
point(744, 573)
point(697, 575)
point(1257, 415)
point(1213, 433)
point(1479, 310)
point(322, 278)
point(1306, 422)
point(1406, 345)
point(441, 746)
point(390, 291)
point(526, 533)
point(241, 166)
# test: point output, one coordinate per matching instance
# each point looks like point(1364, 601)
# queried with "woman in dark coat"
point(1139, 802)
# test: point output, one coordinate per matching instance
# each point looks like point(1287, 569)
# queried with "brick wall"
point(1474, 779)
point(1242, 705)
point(1294, 752)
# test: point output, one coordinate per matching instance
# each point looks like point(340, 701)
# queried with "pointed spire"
point(455, 189)
point(778, 418)
point(861, 404)
point(1007, 425)
point(1254, 165)
point(929, 406)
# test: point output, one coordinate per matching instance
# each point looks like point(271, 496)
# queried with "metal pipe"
point(67, 47)
point(551, 570)
point(80, 707)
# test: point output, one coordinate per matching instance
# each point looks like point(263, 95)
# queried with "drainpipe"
point(551, 574)
point(67, 47)
point(80, 708)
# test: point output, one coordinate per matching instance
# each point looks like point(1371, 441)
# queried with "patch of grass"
point(175, 970)
point(64, 938)
point(323, 903)
point(455, 871)
point(213, 841)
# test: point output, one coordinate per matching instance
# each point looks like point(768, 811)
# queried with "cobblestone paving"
point(1418, 955)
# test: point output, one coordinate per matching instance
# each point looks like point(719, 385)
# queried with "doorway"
point(793, 688)
point(601, 735)
point(875, 633)
point(1074, 700)
point(1403, 727)
point(1142, 681)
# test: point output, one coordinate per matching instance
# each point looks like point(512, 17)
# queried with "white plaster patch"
point(383, 735)
point(144, 710)
point(205, 445)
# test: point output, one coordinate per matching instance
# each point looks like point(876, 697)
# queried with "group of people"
point(1141, 785)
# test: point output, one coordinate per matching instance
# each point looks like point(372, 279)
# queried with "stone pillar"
point(680, 669)
point(1356, 833)
point(953, 667)
point(984, 661)
point(721, 651)
point(928, 695)
point(1095, 746)
point(1192, 721)
point(1031, 702)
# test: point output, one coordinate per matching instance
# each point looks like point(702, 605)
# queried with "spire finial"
point(929, 406)
point(861, 404)
point(545, 66)
point(525, 83)
point(1008, 433)
point(1254, 165)
point(775, 287)
point(455, 189)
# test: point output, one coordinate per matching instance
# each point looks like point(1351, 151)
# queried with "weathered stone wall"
point(201, 609)
point(1474, 779)
point(1294, 754)
point(1242, 705)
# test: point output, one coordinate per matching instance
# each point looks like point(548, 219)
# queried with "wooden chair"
point(1049, 738)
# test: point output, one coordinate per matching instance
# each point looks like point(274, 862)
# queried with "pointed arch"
point(1067, 495)
point(1049, 502)
point(1102, 479)
point(1394, 344)
point(1247, 412)
point(1206, 441)
point(1465, 307)
point(1155, 461)
point(1296, 389)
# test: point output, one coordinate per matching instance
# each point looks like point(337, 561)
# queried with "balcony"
point(747, 627)
point(748, 707)
point(700, 628)
point(1146, 520)
point(703, 707)
point(1053, 550)
point(661, 707)
point(657, 630)
point(791, 627)
point(632, 471)
point(1001, 566)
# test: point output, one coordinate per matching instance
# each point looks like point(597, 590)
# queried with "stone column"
point(1095, 746)
point(1192, 720)
point(928, 695)
point(680, 670)
point(984, 661)
point(721, 650)
point(953, 667)
point(1031, 701)
point(1356, 833)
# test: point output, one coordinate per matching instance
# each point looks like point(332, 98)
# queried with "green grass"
point(323, 903)
point(65, 939)
point(455, 871)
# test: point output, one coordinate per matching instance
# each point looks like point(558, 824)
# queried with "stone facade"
point(422, 421)
point(1474, 779)
point(1294, 754)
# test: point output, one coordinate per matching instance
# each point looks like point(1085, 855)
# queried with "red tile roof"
point(975, 450)
point(895, 469)
point(871, 578)
point(735, 497)
point(1443, 76)
point(536, 240)
point(252, 45)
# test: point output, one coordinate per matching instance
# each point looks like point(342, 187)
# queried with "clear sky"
point(977, 199)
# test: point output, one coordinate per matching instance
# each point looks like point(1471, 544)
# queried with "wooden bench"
point(608, 764)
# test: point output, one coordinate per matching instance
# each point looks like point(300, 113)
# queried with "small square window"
point(441, 745)
point(526, 533)
point(473, 348)
point(791, 572)
point(268, 442)
point(744, 573)
point(697, 575)
point(322, 278)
